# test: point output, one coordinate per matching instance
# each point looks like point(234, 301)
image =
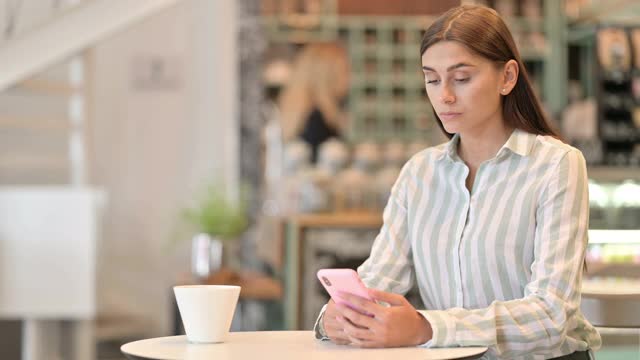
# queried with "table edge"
point(138, 357)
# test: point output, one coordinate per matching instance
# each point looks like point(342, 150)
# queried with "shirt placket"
point(469, 211)
point(457, 270)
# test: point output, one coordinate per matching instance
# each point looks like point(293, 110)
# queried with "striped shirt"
point(500, 266)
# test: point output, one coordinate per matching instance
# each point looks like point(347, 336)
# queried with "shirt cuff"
point(443, 327)
point(317, 328)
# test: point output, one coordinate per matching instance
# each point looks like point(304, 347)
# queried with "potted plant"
point(216, 220)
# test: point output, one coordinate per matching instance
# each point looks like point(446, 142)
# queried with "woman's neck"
point(484, 143)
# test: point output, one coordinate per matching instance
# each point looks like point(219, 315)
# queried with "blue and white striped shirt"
point(500, 266)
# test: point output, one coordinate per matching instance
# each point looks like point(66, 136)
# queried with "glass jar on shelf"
point(394, 158)
point(333, 157)
point(297, 173)
point(354, 190)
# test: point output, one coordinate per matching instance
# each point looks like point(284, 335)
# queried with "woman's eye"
point(432, 81)
point(462, 80)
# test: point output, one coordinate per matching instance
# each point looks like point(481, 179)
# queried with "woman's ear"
point(509, 76)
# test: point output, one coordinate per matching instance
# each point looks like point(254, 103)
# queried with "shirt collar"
point(520, 142)
point(451, 149)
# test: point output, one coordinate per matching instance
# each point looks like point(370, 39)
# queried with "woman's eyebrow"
point(452, 67)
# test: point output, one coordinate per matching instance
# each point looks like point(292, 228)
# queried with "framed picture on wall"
point(156, 72)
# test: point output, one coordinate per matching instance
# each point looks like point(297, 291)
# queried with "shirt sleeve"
point(390, 264)
point(538, 322)
point(318, 330)
point(389, 267)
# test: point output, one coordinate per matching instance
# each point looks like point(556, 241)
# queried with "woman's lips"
point(449, 115)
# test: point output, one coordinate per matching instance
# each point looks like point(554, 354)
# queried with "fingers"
point(390, 298)
point(364, 305)
point(357, 336)
point(353, 331)
point(332, 326)
point(334, 330)
point(358, 319)
point(341, 331)
point(337, 335)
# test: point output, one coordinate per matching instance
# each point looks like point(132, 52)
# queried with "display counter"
point(344, 240)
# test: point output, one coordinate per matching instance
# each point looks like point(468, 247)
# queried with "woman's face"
point(464, 89)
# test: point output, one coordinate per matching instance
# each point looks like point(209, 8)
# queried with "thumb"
point(390, 298)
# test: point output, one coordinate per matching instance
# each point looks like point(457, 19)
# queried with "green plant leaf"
point(217, 216)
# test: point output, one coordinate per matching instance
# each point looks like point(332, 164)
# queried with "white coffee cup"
point(207, 311)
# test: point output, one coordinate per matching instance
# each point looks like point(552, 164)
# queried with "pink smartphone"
point(343, 280)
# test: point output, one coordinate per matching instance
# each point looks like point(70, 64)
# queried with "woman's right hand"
point(332, 328)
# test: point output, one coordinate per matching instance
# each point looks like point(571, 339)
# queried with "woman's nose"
point(447, 96)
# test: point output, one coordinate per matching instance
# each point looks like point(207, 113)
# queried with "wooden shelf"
point(343, 219)
point(255, 286)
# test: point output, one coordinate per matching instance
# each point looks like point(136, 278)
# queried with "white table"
point(281, 345)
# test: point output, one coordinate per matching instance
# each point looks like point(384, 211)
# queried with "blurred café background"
point(151, 143)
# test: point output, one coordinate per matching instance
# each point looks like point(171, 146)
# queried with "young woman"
point(492, 225)
point(310, 103)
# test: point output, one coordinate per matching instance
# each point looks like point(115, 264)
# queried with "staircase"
point(45, 82)
point(43, 125)
point(65, 32)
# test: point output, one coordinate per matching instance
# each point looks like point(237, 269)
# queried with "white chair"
point(48, 238)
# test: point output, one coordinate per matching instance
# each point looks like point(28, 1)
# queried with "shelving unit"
point(616, 105)
point(618, 131)
point(387, 99)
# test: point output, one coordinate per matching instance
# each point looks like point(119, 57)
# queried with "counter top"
point(619, 290)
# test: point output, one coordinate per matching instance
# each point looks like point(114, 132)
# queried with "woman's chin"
point(451, 129)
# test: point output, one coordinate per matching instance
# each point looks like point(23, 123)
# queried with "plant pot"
point(206, 255)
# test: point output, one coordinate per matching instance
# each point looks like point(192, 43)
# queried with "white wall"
point(29, 14)
point(153, 148)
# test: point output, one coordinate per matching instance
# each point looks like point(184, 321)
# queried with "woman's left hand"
point(394, 326)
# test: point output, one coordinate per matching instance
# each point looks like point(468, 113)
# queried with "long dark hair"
point(483, 31)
